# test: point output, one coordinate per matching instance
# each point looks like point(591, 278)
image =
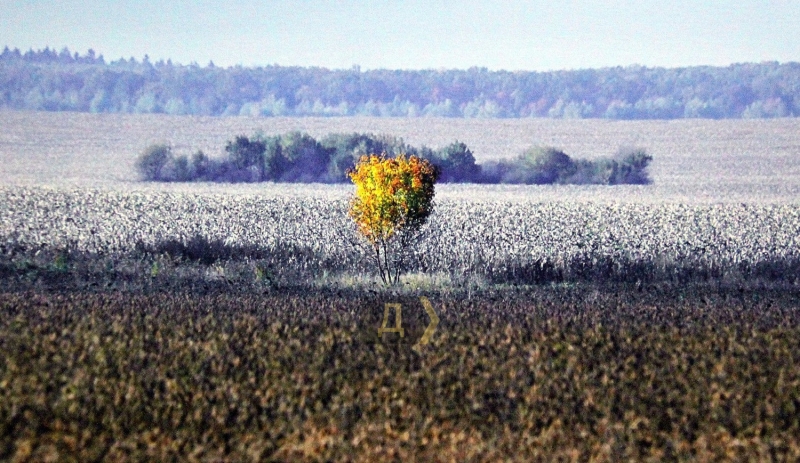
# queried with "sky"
point(512, 35)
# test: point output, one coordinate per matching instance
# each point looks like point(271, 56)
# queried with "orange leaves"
point(392, 195)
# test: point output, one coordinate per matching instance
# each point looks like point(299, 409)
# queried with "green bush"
point(457, 163)
point(200, 165)
point(632, 167)
point(305, 159)
point(547, 165)
point(627, 167)
point(152, 161)
point(183, 171)
point(347, 148)
point(541, 165)
point(247, 158)
point(298, 157)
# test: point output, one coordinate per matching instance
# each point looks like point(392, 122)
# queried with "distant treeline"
point(64, 81)
point(298, 157)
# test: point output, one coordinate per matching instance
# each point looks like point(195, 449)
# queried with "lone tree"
point(393, 199)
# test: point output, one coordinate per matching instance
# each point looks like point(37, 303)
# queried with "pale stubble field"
point(588, 323)
point(695, 161)
point(724, 198)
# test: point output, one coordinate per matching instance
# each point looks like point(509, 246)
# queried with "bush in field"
point(152, 161)
point(179, 169)
point(457, 164)
point(540, 166)
point(247, 158)
point(547, 165)
point(158, 163)
point(297, 157)
point(537, 165)
point(201, 166)
point(245, 153)
point(393, 200)
point(274, 161)
point(632, 167)
point(347, 148)
point(303, 159)
point(627, 167)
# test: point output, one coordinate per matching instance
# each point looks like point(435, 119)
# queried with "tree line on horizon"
point(47, 80)
point(297, 157)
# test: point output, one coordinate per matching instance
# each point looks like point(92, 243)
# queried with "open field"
point(694, 160)
point(311, 239)
point(565, 374)
point(213, 322)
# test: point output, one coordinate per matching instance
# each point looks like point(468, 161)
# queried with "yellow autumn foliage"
point(392, 195)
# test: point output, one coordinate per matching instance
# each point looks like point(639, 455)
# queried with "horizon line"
point(358, 67)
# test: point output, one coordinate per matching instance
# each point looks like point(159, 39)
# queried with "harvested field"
point(210, 322)
point(306, 238)
point(537, 376)
point(694, 160)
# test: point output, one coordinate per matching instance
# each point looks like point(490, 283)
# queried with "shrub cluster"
point(158, 163)
point(547, 165)
point(298, 157)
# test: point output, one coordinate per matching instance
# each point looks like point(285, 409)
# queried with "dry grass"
point(308, 238)
point(532, 376)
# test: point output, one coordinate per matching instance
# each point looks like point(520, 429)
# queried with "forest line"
point(50, 80)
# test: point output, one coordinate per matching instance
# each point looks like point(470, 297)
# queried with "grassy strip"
point(203, 266)
point(533, 376)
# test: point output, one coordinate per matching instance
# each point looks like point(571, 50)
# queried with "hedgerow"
point(298, 157)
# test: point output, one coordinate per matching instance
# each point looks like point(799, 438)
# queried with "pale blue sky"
point(421, 34)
